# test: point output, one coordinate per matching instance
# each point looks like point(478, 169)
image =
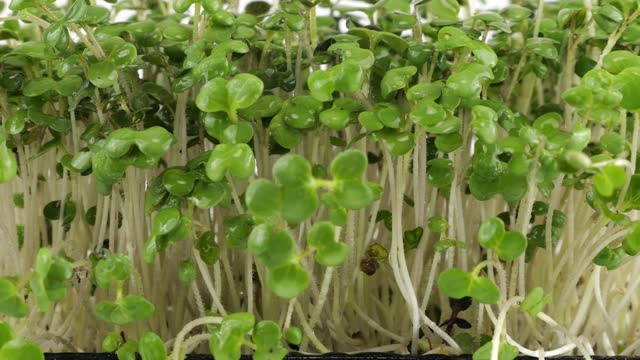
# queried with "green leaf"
point(128, 351)
point(449, 142)
point(111, 342)
point(271, 247)
point(51, 211)
point(266, 336)
point(390, 115)
point(11, 303)
point(450, 37)
point(321, 85)
point(288, 281)
point(396, 79)
point(293, 335)
point(263, 198)
point(631, 243)
point(329, 251)
point(15, 123)
point(237, 159)
point(455, 283)
point(36, 50)
point(484, 291)
point(186, 272)
point(428, 91)
point(609, 179)
point(613, 143)
point(352, 53)
point(6, 333)
point(69, 85)
point(123, 55)
point(292, 170)
point(152, 347)
point(102, 74)
point(182, 6)
point(354, 194)
point(124, 310)
point(370, 121)
point(443, 245)
point(438, 224)
point(226, 342)
point(610, 258)
point(243, 90)
point(115, 267)
point(21, 349)
point(628, 83)
point(632, 197)
point(76, 11)
point(212, 67)
point(178, 182)
point(505, 352)
point(491, 232)
point(166, 220)
point(336, 119)
point(444, 9)
point(348, 77)
point(616, 61)
point(440, 172)
point(467, 82)
point(511, 245)
point(350, 164)
point(266, 106)
point(411, 238)
point(213, 96)
point(333, 254)
point(37, 87)
point(237, 230)
point(428, 113)
point(534, 302)
point(485, 123)
point(119, 141)
point(209, 251)
point(230, 46)
point(206, 195)
point(579, 97)
point(301, 112)
point(397, 142)
point(543, 47)
point(57, 36)
point(8, 163)
point(483, 53)
point(96, 15)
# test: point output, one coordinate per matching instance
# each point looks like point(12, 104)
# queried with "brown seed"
point(369, 266)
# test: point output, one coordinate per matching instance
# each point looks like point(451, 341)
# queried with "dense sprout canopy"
point(257, 178)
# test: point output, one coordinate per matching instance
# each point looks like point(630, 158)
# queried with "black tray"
point(329, 356)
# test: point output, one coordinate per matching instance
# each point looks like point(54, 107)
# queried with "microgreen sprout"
point(255, 178)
